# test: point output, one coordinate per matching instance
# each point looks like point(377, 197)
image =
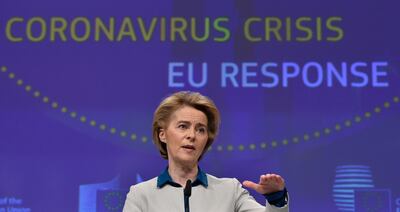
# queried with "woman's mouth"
point(189, 147)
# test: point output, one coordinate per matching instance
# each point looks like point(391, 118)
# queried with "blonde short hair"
point(177, 100)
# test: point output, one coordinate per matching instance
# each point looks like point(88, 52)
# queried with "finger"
point(264, 179)
point(250, 184)
point(275, 178)
point(272, 180)
point(279, 182)
point(279, 179)
point(271, 177)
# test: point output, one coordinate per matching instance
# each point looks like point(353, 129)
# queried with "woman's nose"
point(191, 134)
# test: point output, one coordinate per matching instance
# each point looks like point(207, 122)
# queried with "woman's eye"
point(182, 126)
point(202, 130)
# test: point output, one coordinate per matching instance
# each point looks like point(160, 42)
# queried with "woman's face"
point(186, 135)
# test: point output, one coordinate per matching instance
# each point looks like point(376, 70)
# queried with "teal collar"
point(164, 178)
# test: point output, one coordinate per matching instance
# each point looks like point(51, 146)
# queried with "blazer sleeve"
point(135, 200)
point(246, 203)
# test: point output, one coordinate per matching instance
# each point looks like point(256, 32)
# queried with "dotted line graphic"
point(219, 148)
point(316, 134)
point(71, 113)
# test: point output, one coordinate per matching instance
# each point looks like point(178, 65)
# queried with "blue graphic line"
point(353, 170)
point(353, 175)
point(353, 166)
point(345, 205)
point(353, 180)
point(343, 190)
point(344, 195)
point(354, 186)
point(346, 209)
point(345, 200)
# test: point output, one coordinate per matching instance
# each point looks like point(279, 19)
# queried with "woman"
point(185, 124)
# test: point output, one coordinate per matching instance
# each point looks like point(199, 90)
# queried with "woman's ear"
point(161, 135)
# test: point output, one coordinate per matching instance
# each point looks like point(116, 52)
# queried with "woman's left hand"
point(269, 183)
